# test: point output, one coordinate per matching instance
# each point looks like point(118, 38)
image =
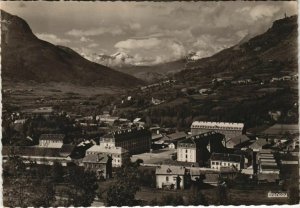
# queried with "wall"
point(186, 154)
point(161, 179)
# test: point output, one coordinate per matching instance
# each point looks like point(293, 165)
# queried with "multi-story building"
point(51, 140)
point(220, 160)
point(118, 154)
point(170, 177)
point(196, 149)
point(228, 129)
point(136, 140)
point(268, 169)
point(101, 164)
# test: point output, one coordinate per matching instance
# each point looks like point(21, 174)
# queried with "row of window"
point(220, 163)
point(214, 127)
point(174, 178)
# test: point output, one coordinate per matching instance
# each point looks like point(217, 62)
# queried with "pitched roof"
point(177, 135)
point(282, 129)
point(195, 124)
point(52, 137)
point(95, 159)
point(226, 157)
point(170, 170)
point(239, 139)
point(128, 134)
point(258, 144)
point(35, 151)
point(102, 149)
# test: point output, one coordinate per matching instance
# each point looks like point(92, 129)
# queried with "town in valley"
point(88, 130)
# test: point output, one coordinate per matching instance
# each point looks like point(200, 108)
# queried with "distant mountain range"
point(271, 53)
point(26, 58)
point(274, 51)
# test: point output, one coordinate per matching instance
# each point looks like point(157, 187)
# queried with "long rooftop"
point(196, 124)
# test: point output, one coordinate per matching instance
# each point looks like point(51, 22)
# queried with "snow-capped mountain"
point(117, 59)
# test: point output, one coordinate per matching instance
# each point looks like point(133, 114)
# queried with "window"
point(186, 151)
point(212, 163)
point(186, 156)
point(217, 163)
point(167, 178)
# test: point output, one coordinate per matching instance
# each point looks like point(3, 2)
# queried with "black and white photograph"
point(149, 103)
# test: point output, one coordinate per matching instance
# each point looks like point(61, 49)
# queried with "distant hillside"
point(26, 58)
point(271, 53)
point(155, 72)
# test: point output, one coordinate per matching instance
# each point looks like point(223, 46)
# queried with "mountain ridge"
point(274, 51)
point(26, 58)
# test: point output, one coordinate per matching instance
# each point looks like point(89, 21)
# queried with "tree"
point(57, 172)
point(84, 185)
point(122, 192)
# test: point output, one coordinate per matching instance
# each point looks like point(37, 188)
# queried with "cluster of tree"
point(29, 184)
point(122, 192)
point(195, 198)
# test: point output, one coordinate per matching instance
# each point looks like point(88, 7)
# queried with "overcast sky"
point(151, 32)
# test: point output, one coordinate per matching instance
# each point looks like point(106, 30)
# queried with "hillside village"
point(208, 154)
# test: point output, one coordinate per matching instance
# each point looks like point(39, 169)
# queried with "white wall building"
point(170, 177)
point(219, 160)
point(51, 140)
point(228, 129)
point(118, 154)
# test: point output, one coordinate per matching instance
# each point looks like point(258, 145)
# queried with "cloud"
point(262, 11)
point(96, 31)
point(52, 38)
point(84, 39)
point(138, 44)
point(135, 26)
point(152, 50)
point(93, 45)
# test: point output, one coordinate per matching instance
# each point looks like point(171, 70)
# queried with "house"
point(156, 101)
point(268, 170)
point(219, 160)
point(173, 145)
point(170, 177)
point(281, 130)
point(135, 140)
point(40, 155)
point(101, 164)
point(51, 140)
point(196, 149)
point(237, 142)
point(42, 111)
point(228, 129)
point(107, 118)
point(275, 115)
point(138, 122)
point(258, 145)
point(117, 154)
